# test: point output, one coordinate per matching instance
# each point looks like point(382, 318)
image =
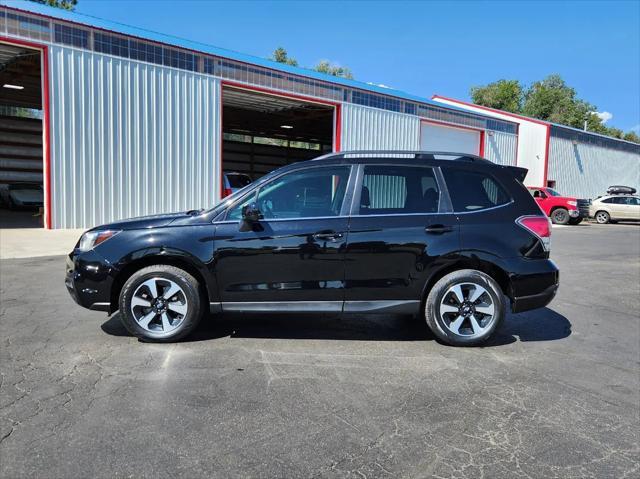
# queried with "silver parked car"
point(615, 208)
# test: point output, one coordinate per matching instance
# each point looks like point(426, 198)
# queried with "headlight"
point(572, 203)
point(91, 239)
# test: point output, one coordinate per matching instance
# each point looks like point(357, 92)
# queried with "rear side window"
point(473, 190)
point(390, 189)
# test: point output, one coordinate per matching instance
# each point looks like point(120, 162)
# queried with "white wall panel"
point(501, 148)
point(365, 128)
point(443, 138)
point(586, 171)
point(129, 138)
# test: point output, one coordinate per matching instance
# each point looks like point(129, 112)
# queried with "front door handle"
point(327, 235)
point(438, 229)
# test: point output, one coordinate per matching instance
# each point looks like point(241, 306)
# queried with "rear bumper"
point(534, 283)
point(534, 301)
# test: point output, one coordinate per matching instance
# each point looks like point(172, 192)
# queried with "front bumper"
point(88, 279)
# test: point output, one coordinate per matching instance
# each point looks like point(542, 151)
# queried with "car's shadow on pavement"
point(539, 325)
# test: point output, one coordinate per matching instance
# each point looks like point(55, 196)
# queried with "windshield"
point(553, 192)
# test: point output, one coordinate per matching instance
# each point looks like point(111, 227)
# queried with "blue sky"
point(425, 48)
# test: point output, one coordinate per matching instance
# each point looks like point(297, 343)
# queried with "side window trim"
point(256, 191)
point(444, 203)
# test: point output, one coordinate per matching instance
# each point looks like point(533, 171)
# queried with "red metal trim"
point(513, 115)
point(46, 148)
point(481, 147)
point(221, 139)
point(337, 140)
point(546, 156)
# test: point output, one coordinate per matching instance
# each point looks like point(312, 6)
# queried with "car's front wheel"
point(560, 216)
point(160, 303)
point(602, 217)
point(465, 307)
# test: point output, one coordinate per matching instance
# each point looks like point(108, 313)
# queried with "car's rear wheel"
point(560, 216)
point(465, 307)
point(602, 217)
point(160, 303)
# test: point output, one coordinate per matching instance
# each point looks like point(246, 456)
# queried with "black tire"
point(560, 216)
point(190, 289)
point(438, 324)
point(602, 217)
point(575, 221)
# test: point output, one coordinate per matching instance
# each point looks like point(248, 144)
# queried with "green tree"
point(631, 136)
point(66, 4)
point(504, 95)
point(553, 100)
point(337, 71)
point(280, 55)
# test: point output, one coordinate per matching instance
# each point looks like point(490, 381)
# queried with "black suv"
point(441, 235)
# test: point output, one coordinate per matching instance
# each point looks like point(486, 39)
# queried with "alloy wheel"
point(159, 305)
point(467, 309)
point(602, 217)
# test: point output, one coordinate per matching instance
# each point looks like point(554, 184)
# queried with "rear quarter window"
point(473, 190)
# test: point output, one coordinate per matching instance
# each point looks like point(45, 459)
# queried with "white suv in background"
point(613, 208)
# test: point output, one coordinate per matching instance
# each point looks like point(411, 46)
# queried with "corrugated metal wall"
point(365, 128)
point(129, 138)
point(585, 171)
point(501, 148)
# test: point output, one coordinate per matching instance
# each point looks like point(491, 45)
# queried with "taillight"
point(539, 226)
point(226, 192)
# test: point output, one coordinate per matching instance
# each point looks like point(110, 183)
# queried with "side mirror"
point(251, 216)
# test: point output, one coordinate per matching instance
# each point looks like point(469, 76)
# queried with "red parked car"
point(561, 209)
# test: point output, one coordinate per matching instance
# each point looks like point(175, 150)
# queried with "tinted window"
point(471, 190)
point(608, 200)
point(300, 194)
point(238, 181)
point(632, 201)
point(398, 190)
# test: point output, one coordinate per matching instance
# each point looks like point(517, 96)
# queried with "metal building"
point(575, 162)
point(127, 122)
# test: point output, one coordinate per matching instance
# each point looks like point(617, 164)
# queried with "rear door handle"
point(438, 229)
point(327, 235)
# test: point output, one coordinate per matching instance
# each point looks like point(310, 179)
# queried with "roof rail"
point(417, 154)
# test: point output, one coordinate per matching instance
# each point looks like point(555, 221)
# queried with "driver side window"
point(305, 193)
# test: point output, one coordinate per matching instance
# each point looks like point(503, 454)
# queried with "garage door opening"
point(21, 149)
point(262, 132)
point(439, 137)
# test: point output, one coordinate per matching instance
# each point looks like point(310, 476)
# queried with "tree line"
point(550, 99)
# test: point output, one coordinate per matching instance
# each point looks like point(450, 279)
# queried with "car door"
point(293, 257)
point(633, 208)
point(618, 207)
point(401, 227)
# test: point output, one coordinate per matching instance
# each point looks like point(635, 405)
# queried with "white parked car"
point(612, 208)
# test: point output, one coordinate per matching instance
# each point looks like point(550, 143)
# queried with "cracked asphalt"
point(555, 394)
